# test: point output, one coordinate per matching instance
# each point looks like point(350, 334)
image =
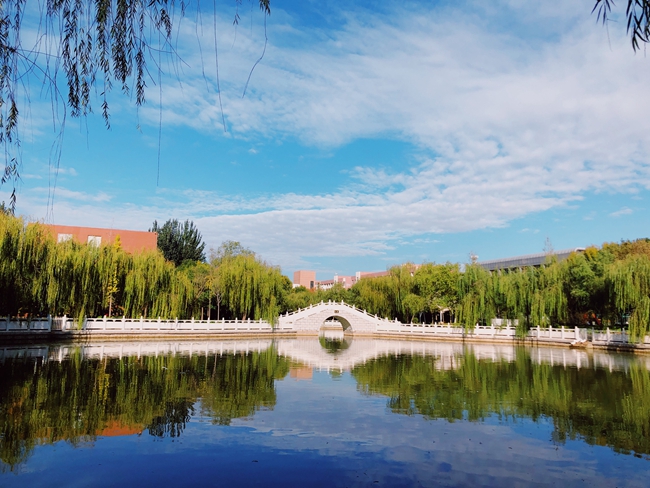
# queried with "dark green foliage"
point(179, 242)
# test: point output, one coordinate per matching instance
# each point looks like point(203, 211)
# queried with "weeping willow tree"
point(630, 288)
point(530, 296)
point(549, 305)
point(251, 289)
point(24, 251)
point(39, 276)
point(153, 287)
point(476, 293)
point(87, 47)
point(518, 289)
point(401, 283)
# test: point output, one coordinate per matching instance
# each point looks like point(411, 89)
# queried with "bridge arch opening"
point(336, 322)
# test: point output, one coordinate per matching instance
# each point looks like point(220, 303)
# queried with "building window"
point(94, 240)
point(64, 237)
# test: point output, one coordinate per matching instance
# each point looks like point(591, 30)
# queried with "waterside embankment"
point(70, 330)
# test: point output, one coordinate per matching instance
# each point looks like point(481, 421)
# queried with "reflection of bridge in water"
point(311, 353)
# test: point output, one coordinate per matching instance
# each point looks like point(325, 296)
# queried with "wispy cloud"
point(64, 194)
point(505, 123)
point(621, 212)
point(61, 170)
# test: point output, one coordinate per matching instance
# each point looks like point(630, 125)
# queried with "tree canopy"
point(179, 242)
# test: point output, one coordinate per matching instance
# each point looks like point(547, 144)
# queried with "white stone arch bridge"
point(310, 320)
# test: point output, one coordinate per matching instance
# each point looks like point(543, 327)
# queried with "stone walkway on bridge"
point(310, 320)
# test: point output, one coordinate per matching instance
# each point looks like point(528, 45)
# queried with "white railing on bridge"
point(384, 326)
point(141, 325)
point(330, 302)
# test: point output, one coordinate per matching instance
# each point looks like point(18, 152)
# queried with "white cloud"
point(63, 194)
point(508, 123)
point(621, 212)
point(61, 170)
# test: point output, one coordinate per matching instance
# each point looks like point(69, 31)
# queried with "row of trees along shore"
point(602, 287)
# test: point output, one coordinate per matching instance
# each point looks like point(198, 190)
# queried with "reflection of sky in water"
point(323, 432)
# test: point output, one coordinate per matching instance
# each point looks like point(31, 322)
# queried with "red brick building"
point(132, 241)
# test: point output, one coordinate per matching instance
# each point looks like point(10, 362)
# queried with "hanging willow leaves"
point(89, 44)
point(250, 288)
point(476, 292)
point(630, 288)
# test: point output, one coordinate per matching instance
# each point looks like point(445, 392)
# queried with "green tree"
point(629, 282)
point(179, 242)
point(437, 285)
point(299, 297)
point(228, 250)
point(251, 288)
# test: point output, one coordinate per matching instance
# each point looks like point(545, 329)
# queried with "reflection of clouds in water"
point(337, 422)
point(349, 354)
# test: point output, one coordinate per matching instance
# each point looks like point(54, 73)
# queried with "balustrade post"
point(123, 322)
point(49, 322)
point(562, 332)
point(608, 335)
point(538, 331)
point(104, 320)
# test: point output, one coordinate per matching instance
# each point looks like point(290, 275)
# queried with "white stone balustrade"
point(309, 321)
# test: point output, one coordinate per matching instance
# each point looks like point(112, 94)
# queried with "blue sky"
point(422, 131)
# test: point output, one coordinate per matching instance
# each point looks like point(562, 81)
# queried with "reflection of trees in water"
point(78, 400)
point(172, 422)
point(598, 406)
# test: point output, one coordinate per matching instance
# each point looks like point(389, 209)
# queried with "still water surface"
point(322, 412)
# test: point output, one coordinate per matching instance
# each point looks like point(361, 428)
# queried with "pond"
point(326, 411)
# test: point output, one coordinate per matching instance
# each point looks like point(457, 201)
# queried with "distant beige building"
point(131, 240)
point(304, 278)
point(308, 279)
